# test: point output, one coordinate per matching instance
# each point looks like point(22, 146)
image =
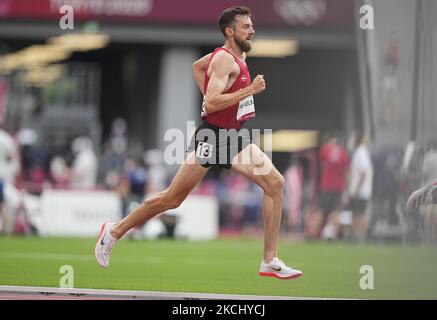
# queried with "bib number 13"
point(204, 150)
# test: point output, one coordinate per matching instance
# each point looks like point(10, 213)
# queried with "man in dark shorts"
point(334, 165)
point(228, 104)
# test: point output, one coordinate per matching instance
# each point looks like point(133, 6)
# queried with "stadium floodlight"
point(31, 57)
point(41, 76)
point(41, 54)
point(293, 140)
point(80, 41)
point(8, 63)
point(273, 48)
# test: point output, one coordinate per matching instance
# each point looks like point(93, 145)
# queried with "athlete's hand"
point(258, 84)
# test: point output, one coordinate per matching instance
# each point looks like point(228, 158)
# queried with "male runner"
point(228, 103)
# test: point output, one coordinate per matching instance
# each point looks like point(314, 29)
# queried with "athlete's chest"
point(239, 76)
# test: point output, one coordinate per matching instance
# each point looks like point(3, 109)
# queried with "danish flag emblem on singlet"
point(243, 78)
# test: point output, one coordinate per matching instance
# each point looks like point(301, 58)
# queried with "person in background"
point(386, 188)
point(157, 173)
point(424, 196)
point(9, 159)
point(428, 210)
point(9, 169)
point(429, 166)
point(85, 164)
point(59, 172)
point(134, 182)
point(360, 186)
point(132, 186)
point(294, 190)
point(114, 155)
point(334, 166)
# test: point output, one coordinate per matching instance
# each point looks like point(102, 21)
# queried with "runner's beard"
point(244, 46)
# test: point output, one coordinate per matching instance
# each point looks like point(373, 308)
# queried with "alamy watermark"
point(367, 280)
point(367, 19)
point(67, 279)
point(66, 22)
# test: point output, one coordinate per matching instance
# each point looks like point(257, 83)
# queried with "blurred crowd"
point(28, 167)
point(341, 190)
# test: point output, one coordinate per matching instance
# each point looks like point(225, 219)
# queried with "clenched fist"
point(258, 84)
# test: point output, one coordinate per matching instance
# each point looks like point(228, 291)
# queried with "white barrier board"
point(67, 213)
point(198, 218)
point(77, 213)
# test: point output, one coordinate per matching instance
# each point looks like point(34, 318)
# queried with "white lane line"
point(81, 257)
point(118, 258)
point(143, 295)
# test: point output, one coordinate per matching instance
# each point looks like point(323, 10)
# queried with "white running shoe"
point(423, 196)
point(104, 244)
point(277, 268)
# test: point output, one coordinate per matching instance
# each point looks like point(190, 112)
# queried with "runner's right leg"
point(188, 176)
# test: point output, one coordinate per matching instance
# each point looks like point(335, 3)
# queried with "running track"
point(47, 293)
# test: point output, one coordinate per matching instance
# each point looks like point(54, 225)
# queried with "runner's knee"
point(171, 200)
point(275, 184)
point(174, 204)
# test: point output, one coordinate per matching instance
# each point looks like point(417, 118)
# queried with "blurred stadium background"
point(83, 113)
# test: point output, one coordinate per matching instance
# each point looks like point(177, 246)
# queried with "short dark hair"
point(227, 17)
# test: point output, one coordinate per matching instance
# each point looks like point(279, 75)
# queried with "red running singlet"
point(227, 118)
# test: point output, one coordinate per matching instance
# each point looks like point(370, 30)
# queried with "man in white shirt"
point(9, 163)
point(9, 168)
point(85, 165)
point(360, 187)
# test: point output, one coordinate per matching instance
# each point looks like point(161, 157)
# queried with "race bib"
point(204, 150)
point(246, 109)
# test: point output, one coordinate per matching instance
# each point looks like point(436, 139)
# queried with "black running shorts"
point(329, 201)
point(216, 146)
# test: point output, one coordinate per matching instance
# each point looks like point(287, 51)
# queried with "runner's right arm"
point(221, 68)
